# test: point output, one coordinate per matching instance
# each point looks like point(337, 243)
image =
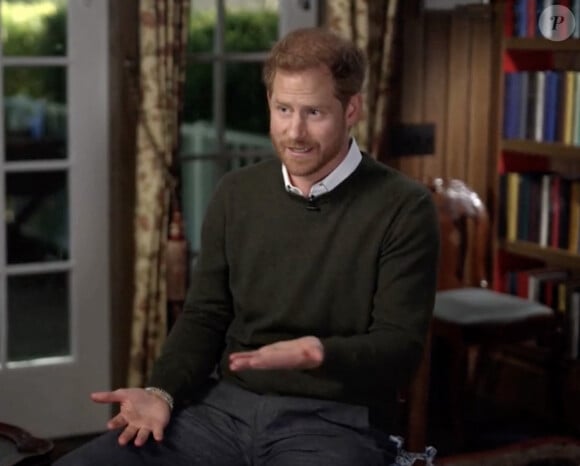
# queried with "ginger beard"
point(307, 158)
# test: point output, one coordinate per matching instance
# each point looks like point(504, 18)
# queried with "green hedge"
point(246, 108)
point(245, 98)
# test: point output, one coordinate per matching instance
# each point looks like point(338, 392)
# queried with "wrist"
point(162, 394)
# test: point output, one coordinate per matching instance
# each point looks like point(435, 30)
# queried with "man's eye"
point(315, 112)
point(283, 109)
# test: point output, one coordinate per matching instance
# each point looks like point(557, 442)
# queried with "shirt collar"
point(334, 178)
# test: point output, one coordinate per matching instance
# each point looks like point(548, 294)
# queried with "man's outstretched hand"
point(141, 414)
point(301, 353)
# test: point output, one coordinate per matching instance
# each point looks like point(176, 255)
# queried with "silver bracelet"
point(161, 394)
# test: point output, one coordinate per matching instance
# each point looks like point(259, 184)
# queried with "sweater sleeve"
point(402, 306)
point(196, 341)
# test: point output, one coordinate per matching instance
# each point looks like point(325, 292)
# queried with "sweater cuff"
point(333, 358)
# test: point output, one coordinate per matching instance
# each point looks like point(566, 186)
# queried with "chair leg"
point(556, 378)
point(416, 435)
point(457, 387)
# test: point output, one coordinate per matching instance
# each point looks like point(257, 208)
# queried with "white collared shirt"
point(334, 178)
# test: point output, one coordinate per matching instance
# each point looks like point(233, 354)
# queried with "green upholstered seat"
point(475, 306)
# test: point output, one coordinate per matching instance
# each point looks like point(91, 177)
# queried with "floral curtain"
point(370, 23)
point(163, 35)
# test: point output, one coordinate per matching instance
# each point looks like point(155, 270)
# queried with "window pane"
point(201, 26)
point(251, 26)
point(33, 27)
point(37, 217)
point(35, 113)
point(38, 316)
point(246, 101)
point(198, 134)
point(199, 179)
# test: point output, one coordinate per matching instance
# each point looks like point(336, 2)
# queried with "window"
point(225, 117)
point(54, 293)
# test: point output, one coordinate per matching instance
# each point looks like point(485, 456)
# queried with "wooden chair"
point(19, 447)
point(415, 402)
point(467, 314)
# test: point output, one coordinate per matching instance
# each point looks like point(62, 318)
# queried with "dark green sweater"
point(359, 273)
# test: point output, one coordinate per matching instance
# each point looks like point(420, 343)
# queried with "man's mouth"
point(299, 148)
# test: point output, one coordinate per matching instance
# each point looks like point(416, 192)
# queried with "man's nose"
point(297, 127)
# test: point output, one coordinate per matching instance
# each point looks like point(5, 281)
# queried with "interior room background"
point(98, 160)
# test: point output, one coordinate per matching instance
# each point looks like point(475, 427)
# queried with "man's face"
point(308, 125)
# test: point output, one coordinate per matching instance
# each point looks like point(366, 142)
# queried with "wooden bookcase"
point(524, 152)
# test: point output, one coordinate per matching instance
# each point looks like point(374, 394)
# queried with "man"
point(312, 295)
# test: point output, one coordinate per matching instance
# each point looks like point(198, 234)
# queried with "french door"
point(54, 297)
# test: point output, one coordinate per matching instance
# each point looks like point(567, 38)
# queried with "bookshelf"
point(538, 172)
point(552, 150)
point(553, 256)
point(525, 144)
point(541, 44)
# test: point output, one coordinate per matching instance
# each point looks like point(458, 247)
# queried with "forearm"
point(189, 356)
point(387, 358)
point(194, 346)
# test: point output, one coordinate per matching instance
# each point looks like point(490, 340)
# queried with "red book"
point(509, 19)
point(532, 17)
point(523, 280)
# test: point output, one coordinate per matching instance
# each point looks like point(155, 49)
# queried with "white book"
point(545, 210)
point(539, 110)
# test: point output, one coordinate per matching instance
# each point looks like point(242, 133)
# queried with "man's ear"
point(353, 111)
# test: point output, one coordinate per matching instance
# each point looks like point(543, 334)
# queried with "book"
point(573, 324)
point(539, 109)
point(538, 277)
point(512, 204)
point(566, 134)
point(576, 116)
point(511, 107)
point(545, 206)
point(523, 101)
point(574, 227)
point(551, 105)
point(576, 10)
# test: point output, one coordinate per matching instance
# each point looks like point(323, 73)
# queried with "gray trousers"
point(234, 427)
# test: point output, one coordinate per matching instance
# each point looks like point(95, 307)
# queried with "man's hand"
point(301, 353)
point(141, 413)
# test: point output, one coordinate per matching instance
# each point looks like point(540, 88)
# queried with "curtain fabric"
point(163, 35)
point(370, 24)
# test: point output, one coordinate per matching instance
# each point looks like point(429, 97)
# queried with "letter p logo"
point(557, 23)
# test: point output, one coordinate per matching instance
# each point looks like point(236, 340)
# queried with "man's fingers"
point(243, 360)
point(239, 364)
point(303, 353)
point(127, 435)
point(142, 436)
point(242, 356)
point(117, 422)
point(158, 434)
point(108, 397)
point(264, 360)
